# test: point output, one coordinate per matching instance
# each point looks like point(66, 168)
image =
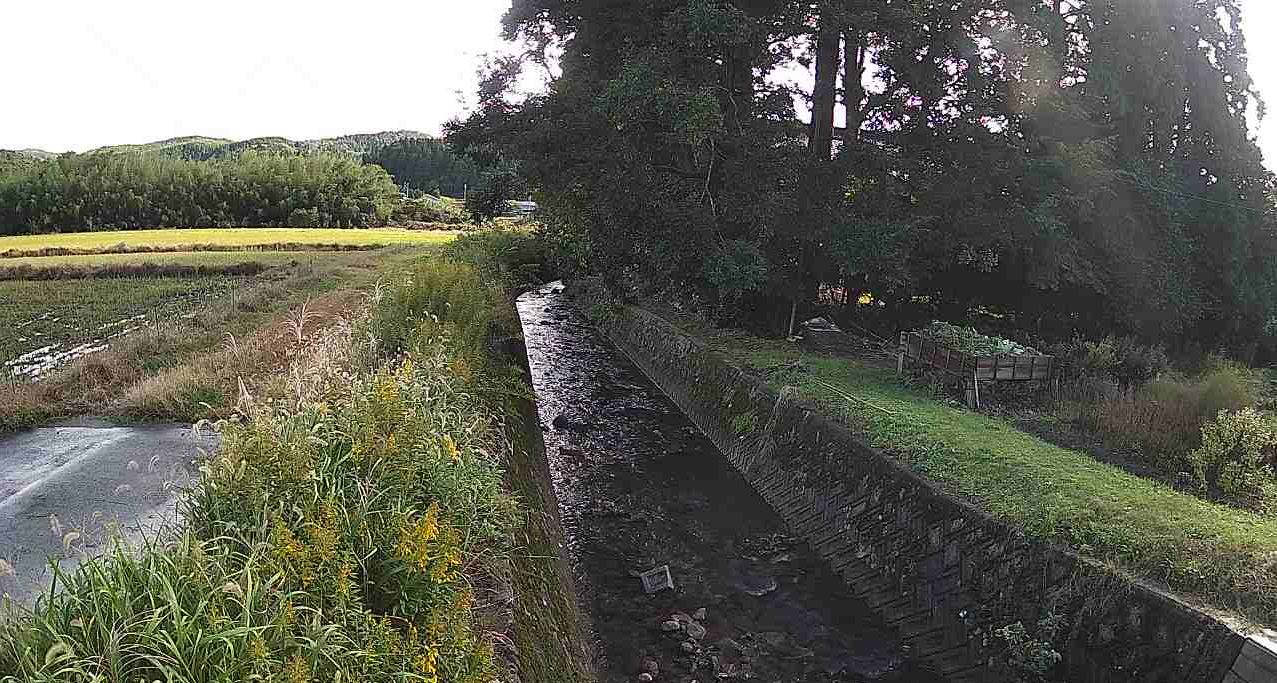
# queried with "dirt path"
point(64, 490)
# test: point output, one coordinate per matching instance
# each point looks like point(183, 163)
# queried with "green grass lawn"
point(233, 237)
point(1219, 555)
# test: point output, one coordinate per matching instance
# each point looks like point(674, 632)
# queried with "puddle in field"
point(67, 491)
point(33, 364)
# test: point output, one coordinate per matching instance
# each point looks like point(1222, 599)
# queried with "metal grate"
point(657, 580)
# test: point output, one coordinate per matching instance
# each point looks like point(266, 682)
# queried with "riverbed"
point(640, 489)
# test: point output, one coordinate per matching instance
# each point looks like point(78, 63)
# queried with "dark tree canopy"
point(1069, 166)
point(426, 165)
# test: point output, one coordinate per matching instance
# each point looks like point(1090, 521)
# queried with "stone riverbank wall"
point(938, 569)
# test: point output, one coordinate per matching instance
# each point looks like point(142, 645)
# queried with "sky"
point(80, 74)
point(1259, 22)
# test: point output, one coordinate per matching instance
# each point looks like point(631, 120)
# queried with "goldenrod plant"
point(344, 531)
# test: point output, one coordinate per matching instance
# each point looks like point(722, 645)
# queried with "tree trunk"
point(823, 94)
point(853, 64)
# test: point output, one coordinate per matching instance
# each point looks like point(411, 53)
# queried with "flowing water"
point(639, 487)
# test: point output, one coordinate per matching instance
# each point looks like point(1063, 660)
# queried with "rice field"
point(44, 324)
point(174, 258)
point(225, 237)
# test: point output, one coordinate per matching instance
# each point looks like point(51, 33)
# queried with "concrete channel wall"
point(938, 569)
point(551, 640)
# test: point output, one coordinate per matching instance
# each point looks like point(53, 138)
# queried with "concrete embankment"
point(639, 488)
point(942, 572)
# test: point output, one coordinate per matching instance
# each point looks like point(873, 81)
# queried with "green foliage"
point(1124, 360)
point(745, 424)
point(1137, 364)
point(969, 341)
point(426, 165)
point(444, 294)
point(1163, 420)
point(104, 191)
point(1238, 451)
point(736, 267)
point(515, 258)
point(493, 195)
point(1025, 168)
point(1031, 658)
point(336, 535)
point(426, 209)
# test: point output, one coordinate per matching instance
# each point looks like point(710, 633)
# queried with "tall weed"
point(337, 535)
point(1163, 420)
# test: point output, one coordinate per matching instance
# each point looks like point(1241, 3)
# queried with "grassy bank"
point(20, 245)
point(1218, 555)
point(352, 528)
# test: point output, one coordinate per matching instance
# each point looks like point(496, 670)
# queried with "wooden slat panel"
point(1001, 367)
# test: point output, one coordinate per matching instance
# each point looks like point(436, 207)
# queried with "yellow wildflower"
point(415, 539)
point(451, 447)
point(461, 369)
point(297, 671)
point(257, 648)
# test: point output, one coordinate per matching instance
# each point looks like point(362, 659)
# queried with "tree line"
point(426, 165)
point(1066, 167)
point(111, 191)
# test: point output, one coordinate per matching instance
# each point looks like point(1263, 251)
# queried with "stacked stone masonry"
point(938, 569)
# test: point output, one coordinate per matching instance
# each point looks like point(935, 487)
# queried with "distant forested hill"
point(15, 160)
point(426, 165)
point(415, 160)
point(346, 181)
point(199, 148)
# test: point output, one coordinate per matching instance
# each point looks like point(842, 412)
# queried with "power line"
point(1186, 195)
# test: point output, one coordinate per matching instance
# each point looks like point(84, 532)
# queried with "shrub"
point(1125, 360)
point(425, 209)
point(443, 301)
point(1099, 357)
point(1030, 659)
point(1164, 419)
point(1135, 364)
point(1228, 385)
point(517, 258)
point(1238, 451)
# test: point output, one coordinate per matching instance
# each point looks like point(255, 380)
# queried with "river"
point(639, 487)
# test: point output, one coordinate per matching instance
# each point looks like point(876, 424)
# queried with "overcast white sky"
point(78, 74)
